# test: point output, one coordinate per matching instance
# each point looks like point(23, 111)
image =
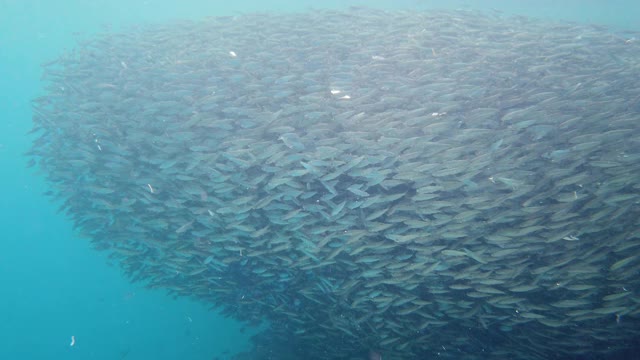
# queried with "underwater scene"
point(350, 180)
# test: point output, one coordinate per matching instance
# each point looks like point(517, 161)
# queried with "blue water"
point(53, 285)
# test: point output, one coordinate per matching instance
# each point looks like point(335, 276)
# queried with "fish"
point(390, 182)
point(292, 141)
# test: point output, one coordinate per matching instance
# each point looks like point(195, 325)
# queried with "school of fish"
point(408, 184)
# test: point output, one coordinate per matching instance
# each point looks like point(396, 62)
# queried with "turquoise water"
point(54, 286)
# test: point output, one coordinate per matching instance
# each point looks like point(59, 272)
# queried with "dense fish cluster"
point(414, 184)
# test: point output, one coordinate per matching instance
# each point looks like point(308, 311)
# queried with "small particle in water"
point(73, 340)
